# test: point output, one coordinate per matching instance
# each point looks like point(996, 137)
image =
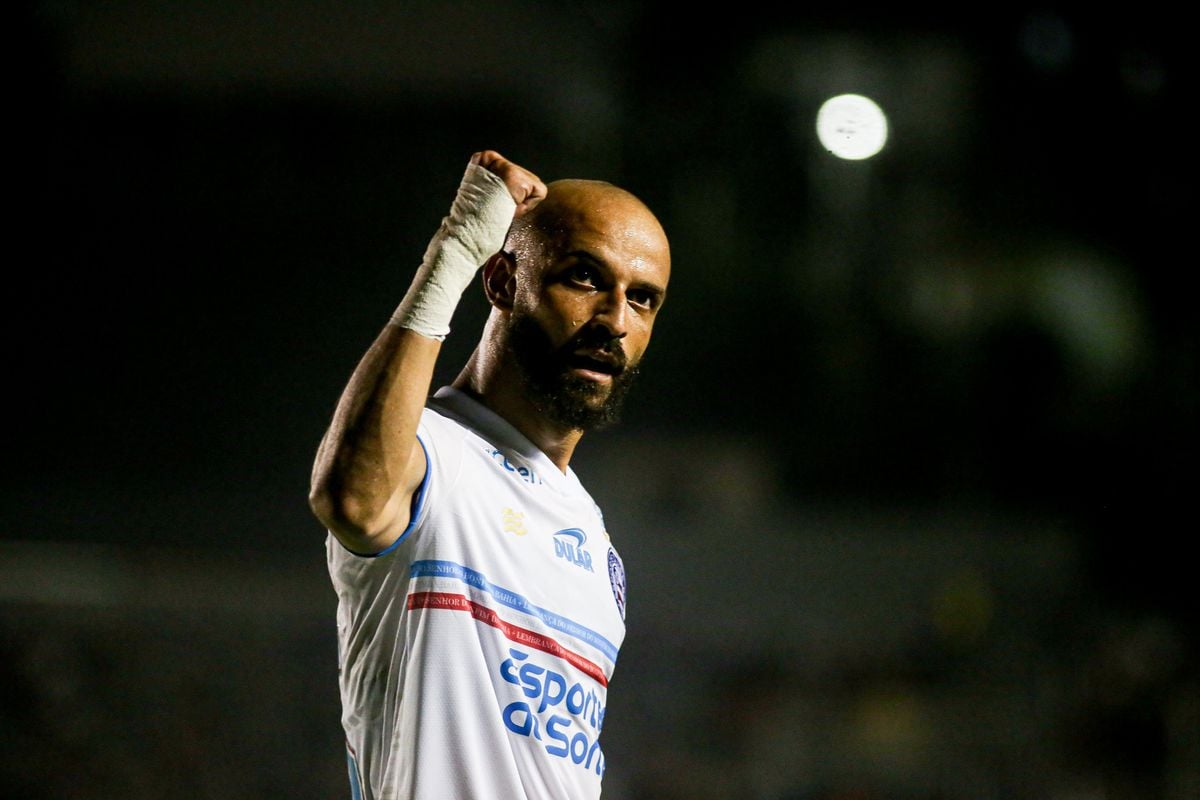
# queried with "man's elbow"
point(362, 527)
point(321, 502)
point(339, 511)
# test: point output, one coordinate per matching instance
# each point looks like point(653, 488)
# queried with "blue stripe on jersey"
point(352, 766)
point(449, 569)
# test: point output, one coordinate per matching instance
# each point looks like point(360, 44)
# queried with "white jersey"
point(475, 652)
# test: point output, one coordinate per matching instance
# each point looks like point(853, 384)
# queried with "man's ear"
point(500, 280)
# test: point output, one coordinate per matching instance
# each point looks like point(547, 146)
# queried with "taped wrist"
point(471, 233)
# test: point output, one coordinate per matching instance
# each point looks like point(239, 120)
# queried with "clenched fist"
point(526, 188)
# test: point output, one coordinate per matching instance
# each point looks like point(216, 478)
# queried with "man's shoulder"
point(454, 413)
point(445, 416)
point(445, 430)
point(439, 424)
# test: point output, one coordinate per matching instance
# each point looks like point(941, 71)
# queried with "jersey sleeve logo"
point(616, 576)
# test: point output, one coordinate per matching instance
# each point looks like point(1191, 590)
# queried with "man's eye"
point(582, 274)
point(640, 298)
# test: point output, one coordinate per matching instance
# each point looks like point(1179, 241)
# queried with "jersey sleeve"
point(442, 446)
point(442, 441)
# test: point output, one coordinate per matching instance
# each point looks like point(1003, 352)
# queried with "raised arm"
point(369, 463)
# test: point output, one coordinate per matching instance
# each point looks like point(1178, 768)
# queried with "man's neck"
point(503, 395)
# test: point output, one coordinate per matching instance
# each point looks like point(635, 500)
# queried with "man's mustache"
point(595, 342)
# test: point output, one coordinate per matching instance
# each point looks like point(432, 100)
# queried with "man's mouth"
point(596, 364)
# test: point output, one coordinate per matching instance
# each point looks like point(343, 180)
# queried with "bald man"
point(481, 602)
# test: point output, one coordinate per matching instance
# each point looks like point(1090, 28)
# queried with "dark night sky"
point(223, 206)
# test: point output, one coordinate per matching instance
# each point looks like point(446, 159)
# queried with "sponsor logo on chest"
point(568, 545)
point(518, 471)
point(565, 717)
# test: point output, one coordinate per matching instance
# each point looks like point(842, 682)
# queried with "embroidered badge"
point(514, 522)
point(616, 576)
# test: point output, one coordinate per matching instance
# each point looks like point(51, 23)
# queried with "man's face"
point(585, 305)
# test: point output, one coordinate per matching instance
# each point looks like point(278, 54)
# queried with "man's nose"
point(611, 313)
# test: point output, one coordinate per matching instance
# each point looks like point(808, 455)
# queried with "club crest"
point(616, 576)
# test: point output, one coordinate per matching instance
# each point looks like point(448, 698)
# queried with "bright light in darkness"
point(852, 127)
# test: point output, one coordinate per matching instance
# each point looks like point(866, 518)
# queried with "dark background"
point(961, 373)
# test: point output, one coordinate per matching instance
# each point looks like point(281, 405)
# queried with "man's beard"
point(565, 398)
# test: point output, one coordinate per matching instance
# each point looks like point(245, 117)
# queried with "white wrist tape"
point(472, 232)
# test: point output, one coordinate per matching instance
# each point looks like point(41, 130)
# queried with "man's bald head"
point(574, 205)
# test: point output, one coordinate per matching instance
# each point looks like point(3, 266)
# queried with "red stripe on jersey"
point(458, 602)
